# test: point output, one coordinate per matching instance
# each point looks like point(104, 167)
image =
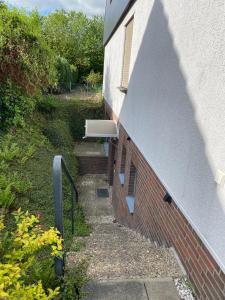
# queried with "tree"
point(77, 38)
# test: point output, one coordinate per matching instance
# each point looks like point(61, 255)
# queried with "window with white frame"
point(127, 53)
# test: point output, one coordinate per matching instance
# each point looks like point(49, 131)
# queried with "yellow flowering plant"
point(19, 251)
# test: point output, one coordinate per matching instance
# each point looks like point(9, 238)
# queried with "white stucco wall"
point(175, 106)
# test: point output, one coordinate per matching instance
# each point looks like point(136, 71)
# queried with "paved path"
point(122, 264)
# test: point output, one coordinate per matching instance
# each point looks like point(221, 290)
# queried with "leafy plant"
point(58, 133)
point(15, 104)
point(19, 184)
point(74, 281)
point(18, 252)
point(9, 152)
point(64, 74)
point(77, 38)
point(10, 186)
point(94, 78)
point(7, 197)
point(26, 59)
point(82, 228)
point(47, 105)
point(78, 245)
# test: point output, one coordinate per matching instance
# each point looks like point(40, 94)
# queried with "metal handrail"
point(59, 165)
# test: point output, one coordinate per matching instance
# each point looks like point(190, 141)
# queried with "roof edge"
point(125, 12)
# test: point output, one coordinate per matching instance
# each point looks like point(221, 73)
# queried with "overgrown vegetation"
point(40, 56)
point(26, 155)
point(44, 54)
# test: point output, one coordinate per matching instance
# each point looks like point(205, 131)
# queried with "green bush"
point(74, 73)
point(20, 249)
point(47, 105)
point(94, 78)
point(58, 133)
point(7, 197)
point(15, 105)
point(64, 75)
point(74, 282)
point(10, 186)
point(26, 58)
point(82, 228)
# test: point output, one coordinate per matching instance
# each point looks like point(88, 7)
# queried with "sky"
point(89, 7)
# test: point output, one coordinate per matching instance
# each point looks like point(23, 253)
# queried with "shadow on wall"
point(171, 139)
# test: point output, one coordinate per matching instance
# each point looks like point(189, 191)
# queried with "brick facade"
point(162, 222)
point(92, 165)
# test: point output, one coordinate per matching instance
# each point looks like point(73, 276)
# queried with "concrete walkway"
point(122, 264)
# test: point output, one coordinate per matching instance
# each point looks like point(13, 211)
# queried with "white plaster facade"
point(174, 110)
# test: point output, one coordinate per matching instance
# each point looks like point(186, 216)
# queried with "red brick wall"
point(162, 222)
point(92, 165)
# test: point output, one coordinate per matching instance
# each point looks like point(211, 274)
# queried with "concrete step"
point(157, 289)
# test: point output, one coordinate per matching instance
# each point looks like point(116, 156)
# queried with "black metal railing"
point(59, 165)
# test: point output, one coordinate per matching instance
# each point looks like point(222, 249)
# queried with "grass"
point(78, 245)
point(66, 123)
point(52, 130)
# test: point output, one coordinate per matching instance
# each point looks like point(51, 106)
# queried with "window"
point(122, 166)
point(132, 181)
point(127, 53)
point(130, 199)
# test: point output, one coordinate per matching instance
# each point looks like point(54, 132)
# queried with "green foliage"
point(64, 74)
point(12, 153)
point(77, 38)
point(74, 74)
point(26, 59)
point(94, 78)
point(7, 197)
point(28, 65)
point(14, 105)
point(39, 54)
point(19, 250)
point(58, 133)
point(78, 245)
point(10, 186)
point(74, 281)
point(9, 152)
point(82, 228)
point(84, 110)
point(31, 158)
point(12, 183)
point(46, 105)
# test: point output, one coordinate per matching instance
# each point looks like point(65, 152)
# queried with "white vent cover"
point(101, 128)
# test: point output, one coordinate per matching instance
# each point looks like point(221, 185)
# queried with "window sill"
point(130, 203)
point(122, 89)
point(122, 178)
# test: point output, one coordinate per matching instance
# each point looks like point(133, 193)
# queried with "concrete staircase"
point(122, 264)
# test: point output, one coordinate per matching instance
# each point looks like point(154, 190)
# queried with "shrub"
point(58, 133)
point(74, 281)
point(9, 152)
point(94, 78)
point(64, 75)
point(47, 105)
point(15, 105)
point(82, 228)
point(74, 73)
point(19, 251)
point(26, 58)
point(7, 197)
